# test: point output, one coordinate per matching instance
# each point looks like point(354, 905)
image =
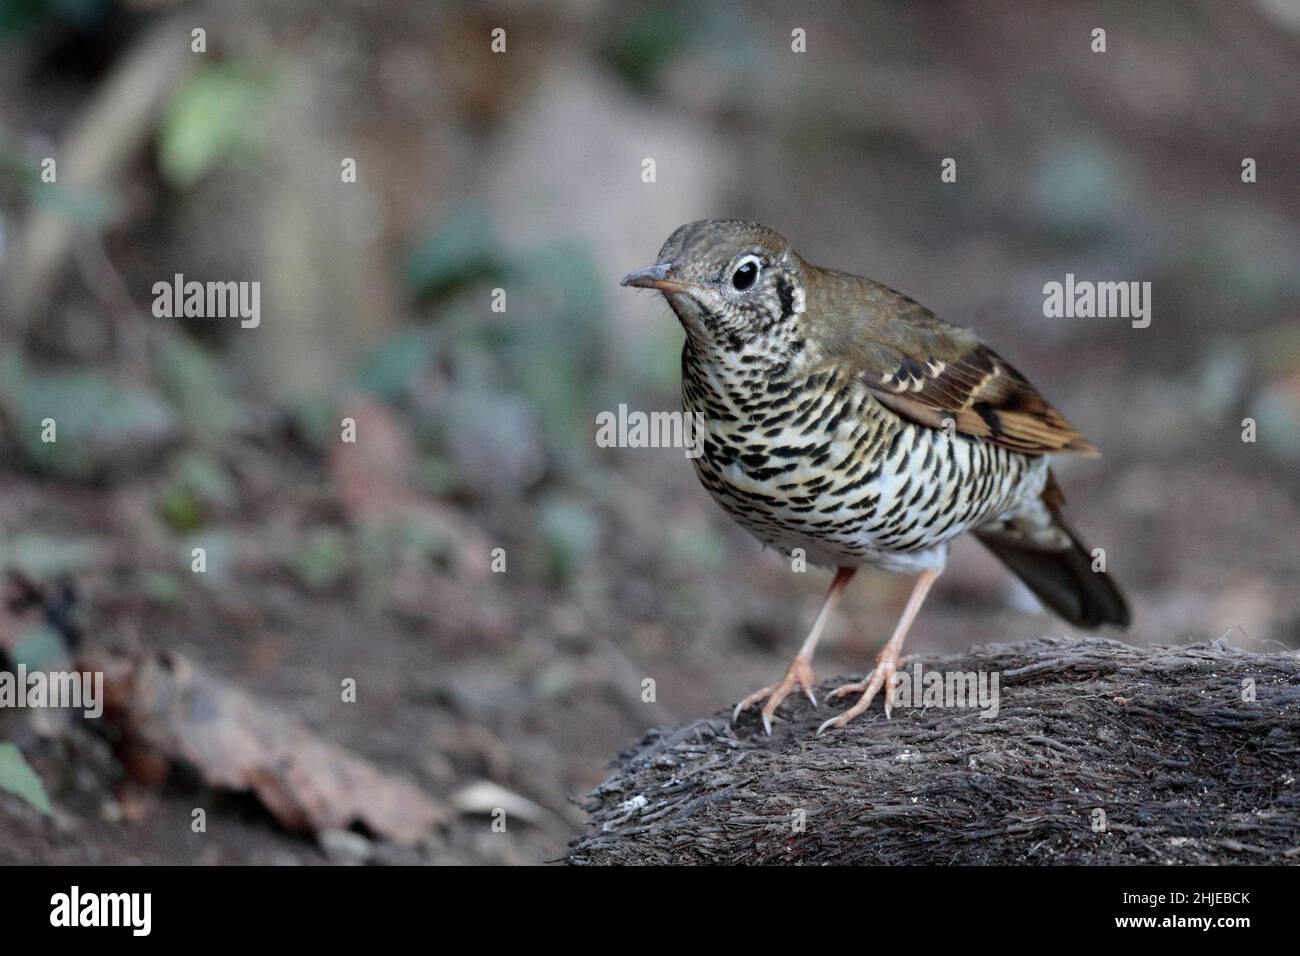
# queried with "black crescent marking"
point(785, 290)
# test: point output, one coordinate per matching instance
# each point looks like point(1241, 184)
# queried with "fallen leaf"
point(484, 798)
point(166, 704)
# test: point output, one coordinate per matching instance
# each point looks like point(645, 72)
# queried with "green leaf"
point(395, 362)
point(323, 560)
point(569, 531)
point(45, 555)
point(100, 421)
point(458, 250)
point(192, 379)
point(162, 587)
point(18, 778)
point(216, 112)
point(645, 45)
point(41, 648)
point(56, 16)
point(196, 486)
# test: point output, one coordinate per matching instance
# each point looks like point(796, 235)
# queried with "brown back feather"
point(930, 371)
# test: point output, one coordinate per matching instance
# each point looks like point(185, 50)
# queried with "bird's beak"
point(656, 277)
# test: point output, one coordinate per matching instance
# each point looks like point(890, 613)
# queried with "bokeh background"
point(522, 171)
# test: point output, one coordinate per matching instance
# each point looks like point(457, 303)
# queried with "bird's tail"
point(1045, 552)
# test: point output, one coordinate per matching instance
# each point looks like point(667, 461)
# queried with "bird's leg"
point(800, 672)
point(882, 675)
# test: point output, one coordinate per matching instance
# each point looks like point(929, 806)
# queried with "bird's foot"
point(799, 674)
point(881, 676)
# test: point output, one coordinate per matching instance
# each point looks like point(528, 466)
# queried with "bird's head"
point(734, 285)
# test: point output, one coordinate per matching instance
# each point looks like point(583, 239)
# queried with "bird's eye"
point(745, 273)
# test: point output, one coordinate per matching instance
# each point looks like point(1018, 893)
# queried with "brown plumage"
point(845, 421)
point(1057, 567)
point(928, 370)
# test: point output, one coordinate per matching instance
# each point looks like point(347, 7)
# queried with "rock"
point(346, 848)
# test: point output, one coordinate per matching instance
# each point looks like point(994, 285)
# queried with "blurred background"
point(522, 170)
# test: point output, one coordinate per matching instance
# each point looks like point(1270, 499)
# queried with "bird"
point(842, 421)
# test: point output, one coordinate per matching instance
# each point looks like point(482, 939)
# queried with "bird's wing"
point(983, 395)
point(929, 371)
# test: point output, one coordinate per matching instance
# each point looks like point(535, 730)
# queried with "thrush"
point(843, 421)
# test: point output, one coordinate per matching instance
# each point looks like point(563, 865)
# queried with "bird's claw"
point(882, 675)
point(799, 674)
point(745, 702)
point(854, 687)
point(826, 725)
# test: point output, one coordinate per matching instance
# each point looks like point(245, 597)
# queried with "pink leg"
point(882, 675)
point(800, 671)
